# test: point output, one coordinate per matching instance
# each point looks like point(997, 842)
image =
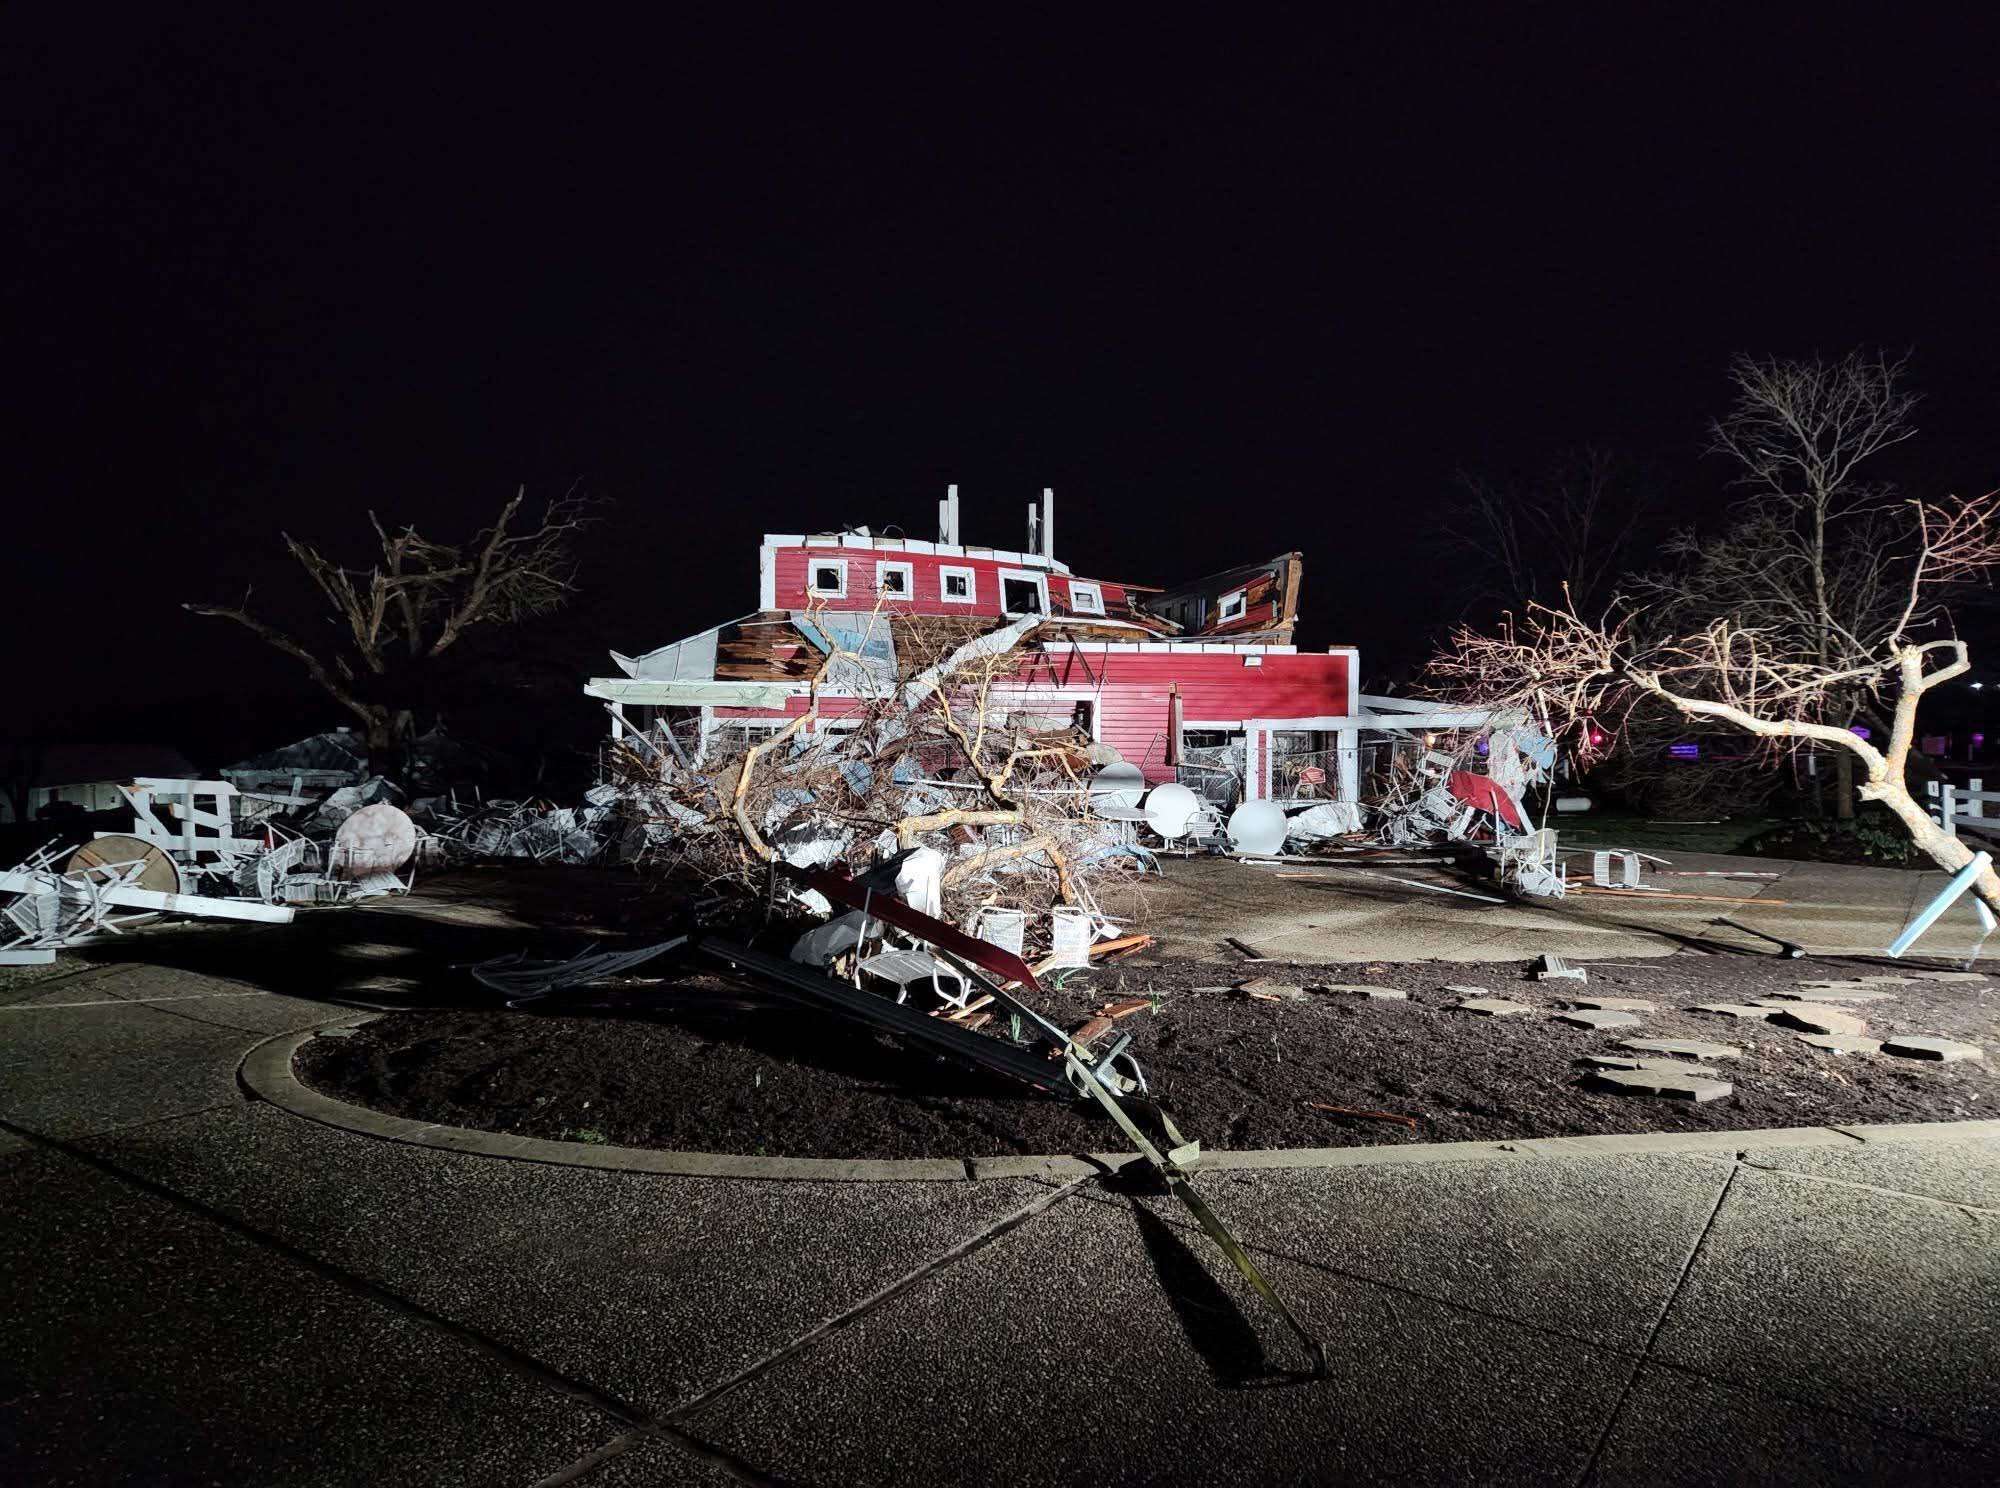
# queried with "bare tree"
point(415, 603)
point(1798, 562)
point(1569, 530)
point(1573, 673)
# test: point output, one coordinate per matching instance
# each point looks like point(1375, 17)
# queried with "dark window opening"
point(1021, 596)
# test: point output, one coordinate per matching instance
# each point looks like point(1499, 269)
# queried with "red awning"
point(1484, 792)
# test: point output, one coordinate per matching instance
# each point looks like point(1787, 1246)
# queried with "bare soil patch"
point(706, 1063)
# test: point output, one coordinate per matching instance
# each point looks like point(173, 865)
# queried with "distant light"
point(1684, 751)
point(1430, 738)
point(1977, 685)
point(1479, 746)
point(1860, 730)
point(1977, 740)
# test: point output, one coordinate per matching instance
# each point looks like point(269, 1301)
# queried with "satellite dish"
point(376, 839)
point(1120, 785)
point(1257, 827)
point(1171, 810)
point(160, 875)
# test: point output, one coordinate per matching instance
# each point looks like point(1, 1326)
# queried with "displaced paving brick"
point(1735, 1009)
point(1821, 1020)
point(1380, 994)
point(1263, 987)
point(1889, 981)
point(1599, 1018)
point(1631, 1062)
point(1660, 1082)
point(1622, 1004)
point(1947, 976)
point(1464, 991)
point(1837, 994)
point(1923, 1046)
point(1842, 1043)
point(1699, 1048)
point(1493, 1007)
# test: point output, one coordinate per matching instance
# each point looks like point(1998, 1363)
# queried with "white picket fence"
point(1957, 806)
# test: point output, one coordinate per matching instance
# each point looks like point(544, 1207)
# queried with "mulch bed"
point(704, 1063)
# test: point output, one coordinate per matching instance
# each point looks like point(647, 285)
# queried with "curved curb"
point(266, 1071)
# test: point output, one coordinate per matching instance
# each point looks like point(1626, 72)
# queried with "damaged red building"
point(1199, 681)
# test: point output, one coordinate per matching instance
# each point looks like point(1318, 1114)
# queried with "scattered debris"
point(1627, 1062)
point(1790, 950)
point(1699, 1048)
point(1922, 1046)
point(1842, 1043)
point(1662, 1083)
point(1599, 1018)
point(1409, 1121)
point(1836, 992)
point(1269, 991)
point(103, 891)
point(1380, 994)
point(1821, 1020)
point(1492, 1007)
point(1554, 968)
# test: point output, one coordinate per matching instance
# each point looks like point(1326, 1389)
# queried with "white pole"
point(1049, 523)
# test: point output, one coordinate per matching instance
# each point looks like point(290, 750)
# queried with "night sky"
point(1229, 292)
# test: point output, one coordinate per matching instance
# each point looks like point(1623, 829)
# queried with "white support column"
point(1350, 762)
point(617, 721)
point(948, 517)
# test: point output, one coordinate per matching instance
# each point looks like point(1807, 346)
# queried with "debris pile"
point(207, 849)
point(1000, 826)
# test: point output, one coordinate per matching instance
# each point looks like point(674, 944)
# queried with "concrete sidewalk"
point(1339, 914)
point(201, 1287)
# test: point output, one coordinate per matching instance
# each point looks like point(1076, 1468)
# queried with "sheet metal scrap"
point(521, 980)
point(1109, 1077)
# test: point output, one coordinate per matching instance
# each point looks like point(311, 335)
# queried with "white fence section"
point(1957, 806)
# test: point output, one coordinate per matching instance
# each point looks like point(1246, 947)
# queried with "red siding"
point(1131, 693)
point(1216, 687)
point(927, 598)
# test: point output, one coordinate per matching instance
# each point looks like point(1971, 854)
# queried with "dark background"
point(1228, 291)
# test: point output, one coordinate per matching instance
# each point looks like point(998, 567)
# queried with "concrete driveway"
point(201, 1287)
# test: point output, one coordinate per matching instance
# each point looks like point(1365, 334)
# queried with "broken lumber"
point(1685, 898)
point(1409, 1121)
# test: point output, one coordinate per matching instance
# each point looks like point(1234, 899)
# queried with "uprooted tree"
point(398, 618)
point(951, 750)
point(1749, 673)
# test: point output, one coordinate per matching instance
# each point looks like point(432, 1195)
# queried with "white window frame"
point(813, 565)
point(1025, 576)
point(1240, 598)
point(909, 573)
point(970, 575)
point(1078, 593)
